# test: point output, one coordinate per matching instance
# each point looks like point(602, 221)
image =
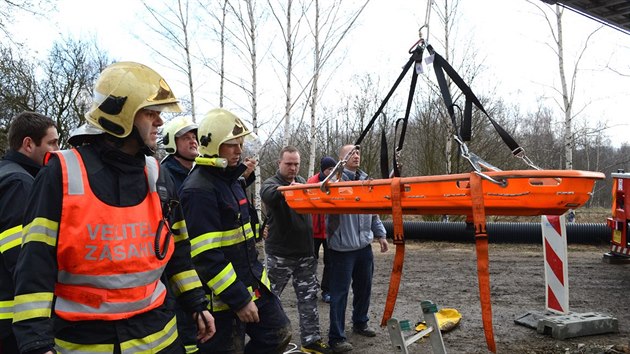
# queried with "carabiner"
point(420, 43)
point(502, 183)
point(521, 155)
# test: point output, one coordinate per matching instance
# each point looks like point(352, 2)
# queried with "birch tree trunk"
point(566, 98)
point(314, 94)
point(289, 71)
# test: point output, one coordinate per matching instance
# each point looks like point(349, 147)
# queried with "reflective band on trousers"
point(64, 347)
point(152, 343)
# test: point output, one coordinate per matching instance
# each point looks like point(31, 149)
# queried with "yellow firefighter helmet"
point(217, 127)
point(122, 90)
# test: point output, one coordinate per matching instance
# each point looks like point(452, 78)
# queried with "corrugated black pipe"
point(499, 232)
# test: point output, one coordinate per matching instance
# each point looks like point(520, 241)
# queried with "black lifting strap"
point(384, 153)
point(416, 57)
point(440, 65)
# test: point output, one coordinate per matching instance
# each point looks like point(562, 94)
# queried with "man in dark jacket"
point(31, 135)
point(224, 245)
point(101, 232)
point(179, 138)
point(289, 249)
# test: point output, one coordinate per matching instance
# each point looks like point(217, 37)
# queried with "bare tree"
point(290, 29)
point(220, 28)
point(567, 87)
point(62, 88)
point(242, 37)
point(9, 9)
point(173, 25)
point(327, 35)
point(466, 61)
point(70, 71)
point(222, 56)
point(317, 59)
point(18, 89)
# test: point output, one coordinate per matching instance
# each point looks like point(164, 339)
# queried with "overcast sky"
point(510, 37)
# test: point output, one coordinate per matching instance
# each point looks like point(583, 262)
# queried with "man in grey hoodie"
point(350, 242)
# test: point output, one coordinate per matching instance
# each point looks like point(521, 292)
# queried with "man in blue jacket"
point(350, 242)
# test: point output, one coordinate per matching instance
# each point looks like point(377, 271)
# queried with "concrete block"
point(577, 325)
point(530, 319)
point(612, 258)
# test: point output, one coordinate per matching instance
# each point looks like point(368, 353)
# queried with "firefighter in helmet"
point(223, 243)
point(102, 233)
point(179, 138)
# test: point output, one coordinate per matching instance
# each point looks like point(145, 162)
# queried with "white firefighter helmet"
point(123, 89)
point(217, 127)
point(82, 134)
point(175, 128)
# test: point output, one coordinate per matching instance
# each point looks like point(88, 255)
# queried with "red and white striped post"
point(556, 267)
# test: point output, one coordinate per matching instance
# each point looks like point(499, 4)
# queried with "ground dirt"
point(446, 274)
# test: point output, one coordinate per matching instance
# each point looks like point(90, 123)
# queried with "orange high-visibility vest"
point(107, 267)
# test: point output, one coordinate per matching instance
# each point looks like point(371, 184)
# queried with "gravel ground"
point(446, 274)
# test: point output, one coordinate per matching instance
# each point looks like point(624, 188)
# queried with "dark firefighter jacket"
point(17, 173)
point(185, 324)
point(221, 236)
point(177, 172)
point(290, 233)
point(117, 179)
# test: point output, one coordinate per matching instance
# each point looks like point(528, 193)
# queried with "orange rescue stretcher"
point(474, 194)
point(522, 193)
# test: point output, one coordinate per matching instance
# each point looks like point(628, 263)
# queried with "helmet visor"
point(173, 107)
point(252, 145)
point(185, 130)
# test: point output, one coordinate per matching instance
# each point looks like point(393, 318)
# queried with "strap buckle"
point(520, 153)
point(479, 164)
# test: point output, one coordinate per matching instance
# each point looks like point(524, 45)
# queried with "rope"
point(293, 348)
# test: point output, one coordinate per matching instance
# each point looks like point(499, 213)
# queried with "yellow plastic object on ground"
point(447, 319)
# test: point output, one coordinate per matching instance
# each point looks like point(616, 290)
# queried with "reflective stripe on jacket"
point(112, 273)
